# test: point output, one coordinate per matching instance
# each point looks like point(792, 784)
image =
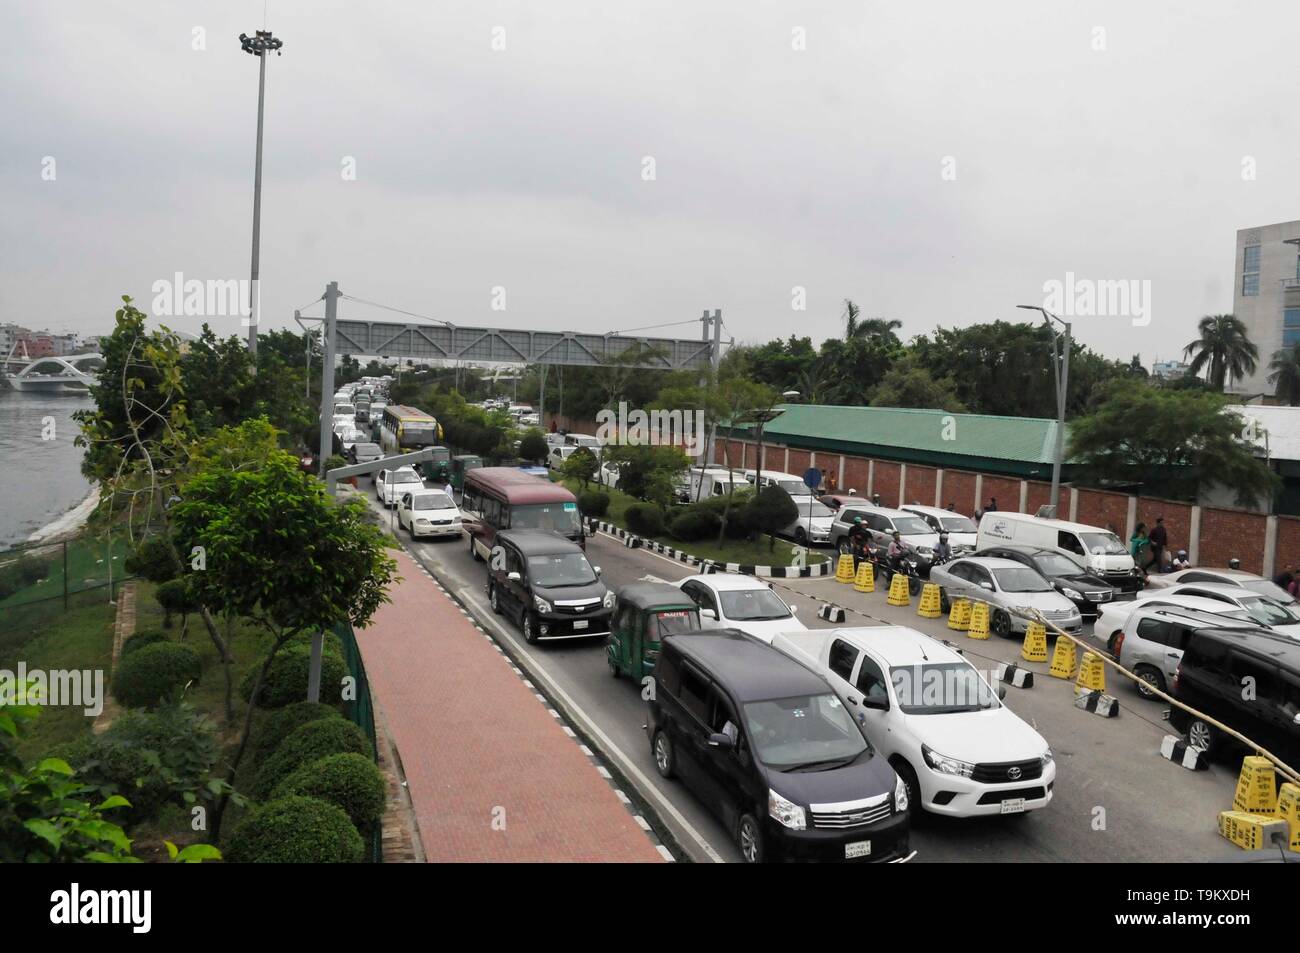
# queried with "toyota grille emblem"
point(1013, 773)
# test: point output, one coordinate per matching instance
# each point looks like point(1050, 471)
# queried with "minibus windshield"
point(804, 733)
point(553, 517)
point(558, 570)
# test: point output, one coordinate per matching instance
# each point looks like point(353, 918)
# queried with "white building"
point(1267, 295)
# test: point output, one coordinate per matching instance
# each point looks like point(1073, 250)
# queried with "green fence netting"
point(361, 710)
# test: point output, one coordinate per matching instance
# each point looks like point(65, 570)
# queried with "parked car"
point(1086, 590)
point(645, 613)
point(608, 474)
point(1093, 548)
point(961, 530)
point(735, 601)
point(812, 527)
point(1262, 610)
point(545, 584)
point(1115, 616)
point(957, 747)
point(1007, 586)
point(1232, 577)
point(916, 535)
point(350, 437)
point(391, 484)
point(767, 745)
point(1156, 635)
point(427, 512)
point(555, 459)
point(1215, 666)
point(835, 500)
point(364, 452)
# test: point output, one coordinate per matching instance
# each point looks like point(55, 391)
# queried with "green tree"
point(770, 510)
point(1223, 349)
point(533, 446)
point(581, 465)
point(1284, 374)
point(909, 384)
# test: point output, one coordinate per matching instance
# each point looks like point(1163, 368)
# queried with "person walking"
point(1138, 542)
point(1158, 540)
point(993, 505)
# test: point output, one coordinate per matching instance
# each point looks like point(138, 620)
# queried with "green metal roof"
point(1021, 445)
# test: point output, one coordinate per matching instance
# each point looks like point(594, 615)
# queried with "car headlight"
point(1047, 758)
point(1071, 593)
point(946, 765)
point(900, 795)
point(924, 550)
point(786, 813)
point(608, 602)
point(541, 605)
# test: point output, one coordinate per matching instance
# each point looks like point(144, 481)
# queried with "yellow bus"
point(407, 428)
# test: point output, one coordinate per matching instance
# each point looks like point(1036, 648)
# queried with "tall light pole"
point(259, 45)
point(1061, 371)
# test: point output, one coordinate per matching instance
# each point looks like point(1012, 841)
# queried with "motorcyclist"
point(942, 552)
point(858, 539)
point(896, 552)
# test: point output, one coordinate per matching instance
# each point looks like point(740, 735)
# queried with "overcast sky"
point(1102, 139)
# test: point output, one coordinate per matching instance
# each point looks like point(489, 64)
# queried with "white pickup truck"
point(959, 750)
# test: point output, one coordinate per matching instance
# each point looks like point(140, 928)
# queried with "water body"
point(40, 479)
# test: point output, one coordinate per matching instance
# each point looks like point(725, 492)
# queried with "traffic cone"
point(1092, 673)
point(959, 615)
point(978, 627)
point(866, 579)
point(1035, 647)
point(844, 568)
point(1063, 658)
point(1288, 808)
point(898, 595)
point(929, 606)
point(1256, 786)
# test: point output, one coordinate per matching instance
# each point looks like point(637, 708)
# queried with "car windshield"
point(1267, 611)
point(804, 733)
point(818, 509)
point(368, 448)
point(674, 621)
point(403, 476)
point(753, 605)
point(957, 524)
point(940, 689)
point(1268, 590)
point(560, 569)
point(912, 526)
point(1104, 544)
point(1020, 579)
point(1054, 564)
point(552, 517)
point(433, 501)
point(793, 487)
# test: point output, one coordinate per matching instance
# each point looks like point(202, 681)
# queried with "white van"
point(704, 482)
point(789, 482)
point(1097, 550)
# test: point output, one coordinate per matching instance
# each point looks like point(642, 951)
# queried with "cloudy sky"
point(937, 163)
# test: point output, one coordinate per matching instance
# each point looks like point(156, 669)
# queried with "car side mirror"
point(987, 585)
point(1296, 719)
point(596, 570)
point(719, 740)
point(1002, 691)
point(794, 610)
point(878, 702)
point(709, 614)
point(514, 576)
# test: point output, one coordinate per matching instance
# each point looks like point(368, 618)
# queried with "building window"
point(1290, 327)
point(1250, 271)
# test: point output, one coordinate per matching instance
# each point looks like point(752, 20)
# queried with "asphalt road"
point(1116, 799)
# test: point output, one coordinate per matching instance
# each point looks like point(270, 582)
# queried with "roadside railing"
point(361, 710)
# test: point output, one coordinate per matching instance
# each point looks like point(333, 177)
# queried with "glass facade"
point(1250, 271)
point(1290, 327)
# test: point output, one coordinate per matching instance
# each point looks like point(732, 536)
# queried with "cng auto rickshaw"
point(460, 465)
point(645, 612)
point(437, 470)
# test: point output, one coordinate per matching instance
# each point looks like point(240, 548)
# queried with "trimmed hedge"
point(593, 503)
point(350, 781)
point(305, 744)
point(286, 679)
point(141, 639)
point(296, 830)
point(280, 723)
point(154, 673)
point(691, 523)
point(644, 519)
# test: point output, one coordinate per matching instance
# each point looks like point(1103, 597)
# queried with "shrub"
point(21, 573)
point(771, 510)
point(644, 519)
point(152, 560)
point(692, 523)
point(533, 446)
point(334, 461)
point(305, 744)
point(296, 830)
point(739, 523)
point(175, 596)
point(593, 503)
point(279, 723)
point(350, 781)
point(153, 673)
point(286, 679)
point(141, 639)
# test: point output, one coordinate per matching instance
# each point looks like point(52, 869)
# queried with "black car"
point(1215, 666)
point(544, 582)
point(771, 750)
point(1086, 590)
point(364, 453)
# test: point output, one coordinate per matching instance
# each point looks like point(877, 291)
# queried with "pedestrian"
point(1158, 539)
point(832, 483)
point(1138, 542)
point(952, 507)
point(993, 505)
point(1284, 579)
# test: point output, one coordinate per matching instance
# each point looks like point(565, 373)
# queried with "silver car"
point(1010, 588)
point(1155, 635)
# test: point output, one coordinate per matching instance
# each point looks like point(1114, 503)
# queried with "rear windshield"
point(1021, 579)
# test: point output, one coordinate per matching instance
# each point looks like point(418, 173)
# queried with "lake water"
point(40, 479)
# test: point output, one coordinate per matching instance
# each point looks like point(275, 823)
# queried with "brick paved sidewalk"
point(478, 746)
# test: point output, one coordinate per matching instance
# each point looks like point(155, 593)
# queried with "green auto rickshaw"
point(437, 470)
point(460, 465)
point(645, 612)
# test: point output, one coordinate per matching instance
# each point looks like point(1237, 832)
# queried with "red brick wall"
point(886, 482)
point(1004, 489)
point(1288, 543)
point(920, 485)
point(1178, 520)
point(959, 488)
point(829, 463)
point(1228, 534)
point(1099, 508)
point(798, 462)
point(1040, 494)
point(855, 475)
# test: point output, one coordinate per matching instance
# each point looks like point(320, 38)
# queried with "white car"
point(1237, 602)
point(608, 475)
point(391, 484)
point(1231, 577)
point(961, 530)
point(734, 601)
point(957, 747)
point(812, 527)
point(351, 438)
point(427, 512)
point(555, 459)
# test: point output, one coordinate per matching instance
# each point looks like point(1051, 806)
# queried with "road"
point(1115, 798)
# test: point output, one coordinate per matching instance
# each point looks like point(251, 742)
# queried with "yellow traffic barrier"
point(1092, 673)
point(1288, 809)
point(898, 595)
point(1035, 647)
point(1256, 786)
point(1063, 659)
point(866, 578)
point(1250, 831)
point(929, 606)
point(978, 627)
point(959, 615)
point(844, 568)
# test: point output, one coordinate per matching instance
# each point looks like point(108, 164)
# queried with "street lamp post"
point(258, 45)
point(1061, 372)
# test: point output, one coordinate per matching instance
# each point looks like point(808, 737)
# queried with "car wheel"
point(801, 537)
point(530, 628)
point(914, 585)
point(749, 838)
point(1148, 676)
point(1001, 624)
point(945, 604)
point(908, 777)
point(473, 553)
point(1203, 736)
point(493, 600)
point(665, 757)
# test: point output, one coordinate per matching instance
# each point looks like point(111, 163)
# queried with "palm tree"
point(1224, 347)
point(851, 312)
point(1284, 374)
point(871, 328)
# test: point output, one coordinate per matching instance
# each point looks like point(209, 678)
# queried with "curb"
point(633, 541)
point(1099, 703)
point(1015, 675)
point(1173, 748)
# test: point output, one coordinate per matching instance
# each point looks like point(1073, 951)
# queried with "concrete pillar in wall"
point(938, 487)
point(1024, 494)
point(785, 467)
point(1131, 518)
point(871, 477)
point(1270, 547)
point(1074, 505)
point(840, 480)
point(902, 483)
point(1194, 536)
point(979, 491)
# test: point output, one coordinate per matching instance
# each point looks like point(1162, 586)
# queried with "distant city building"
point(1267, 296)
point(1169, 370)
point(36, 345)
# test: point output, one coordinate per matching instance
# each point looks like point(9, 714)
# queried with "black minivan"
point(769, 747)
point(1212, 678)
point(544, 582)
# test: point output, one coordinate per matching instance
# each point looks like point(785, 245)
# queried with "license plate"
point(860, 848)
point(580, 624)
point(1015, 805)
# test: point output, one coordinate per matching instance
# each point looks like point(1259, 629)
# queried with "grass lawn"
point(88, 566)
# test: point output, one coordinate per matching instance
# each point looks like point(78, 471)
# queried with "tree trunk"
point(223, 650)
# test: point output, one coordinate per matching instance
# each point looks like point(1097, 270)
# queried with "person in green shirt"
point(1138, 542)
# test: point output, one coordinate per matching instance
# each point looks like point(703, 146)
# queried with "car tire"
point(945, 604)
point(914, 809)
point(914, 585)
point(749, 840)
point(493, 600)
point(529, 625)
point(1001, 624)
point(661, 746)
point(1148, 676)
point(1203, 736)
point(801, 537)
point(473, 553)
